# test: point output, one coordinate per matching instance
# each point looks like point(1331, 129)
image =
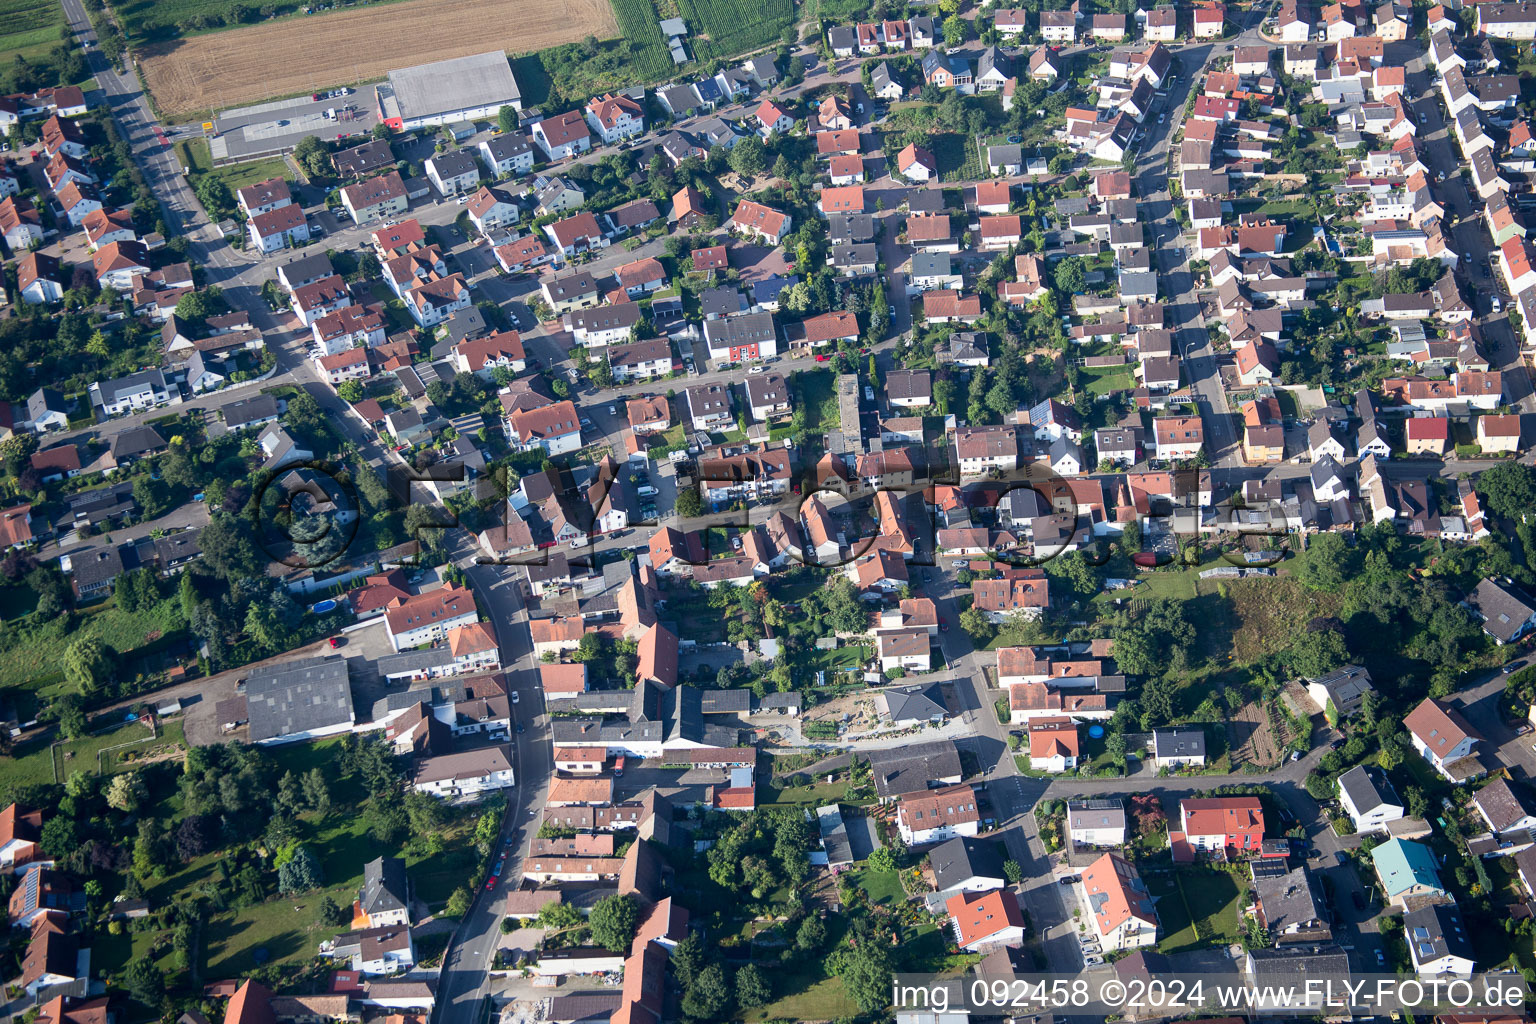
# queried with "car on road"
point(1341, 856)
point(943, 626)
point(1381, 958)
point(519, 727)
point(1512, 666)
point(515, 697)
point(586, 423)
point(1357, 900)
point(613, 410)
point(490, 883)
point(758, 369)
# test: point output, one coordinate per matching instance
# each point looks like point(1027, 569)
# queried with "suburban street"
point(465, 981)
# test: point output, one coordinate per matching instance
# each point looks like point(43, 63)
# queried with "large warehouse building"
point(461, 89)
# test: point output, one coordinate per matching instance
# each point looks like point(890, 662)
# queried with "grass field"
point(1196, 907)
point(29, 28)
point(32, 660)
point(35, 763)
point(194, 153)
point(223, 69)
point(1108, 379)
point(883, 887)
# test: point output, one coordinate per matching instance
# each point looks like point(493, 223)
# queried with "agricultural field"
point(28, 28)
point(724, 28)
point(223, 69)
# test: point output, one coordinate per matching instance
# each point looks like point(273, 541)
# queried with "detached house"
point(615, 117)
point(562, 136)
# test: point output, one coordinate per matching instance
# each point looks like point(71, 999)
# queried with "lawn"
point(31, 28)
point(817, 794)
point(194, 154)
point(814, 998)
point(32, 658)
point(1106, 380)
point(883, 887)
point(35, 763)
point(1196, 906)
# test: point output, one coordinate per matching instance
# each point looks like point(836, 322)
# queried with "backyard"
point(1197, 905)
point(287, 929)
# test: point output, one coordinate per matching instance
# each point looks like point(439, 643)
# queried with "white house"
point(935, 815)
point(467, 774)
point(1369, 799)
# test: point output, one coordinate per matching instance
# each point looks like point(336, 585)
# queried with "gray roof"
point(1435, 931)
point(1504, 610)
point(136, 441)
point(384, 885)
point(114, 390)
point(725, 702)
point(1185, 742)
point(1292, 963)
point(249, 410)
point(1502, 804)
point(911, 768)
point(177, 548)
point(917, 703)
point(1098, 813)
point(958, 861)
point(1367, 789)
point(414, 662)
point(1290, 901)
point(308, 268)
point(851, 227)
point(481, 79)
point(505, 147)
point(95, 566)
point(298, 697)
point(834, 835)
point(43, 401)
point(454, 163)
point(931, 264)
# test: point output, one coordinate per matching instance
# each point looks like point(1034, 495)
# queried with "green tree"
point(1325, 565)
point(556, 917)
point(867, 976)
point(87, 664)
point(331, 914)
point(613, 921)
point(1013, 871)
point(709, 994)
point(689, 504)
point(1318, 652)
point(459, 902)
point(811, 934)
point(955, 30)
point(72, 721)
point(300, 872)
point(351, 391)
point(752, 988)
point(749, 157)
point(144, 982)
point(1510, 490)
point(506, 119)
point(126, 792)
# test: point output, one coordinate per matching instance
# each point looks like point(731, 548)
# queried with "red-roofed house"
point(1053, 744)
point(762, 221)
point(986, 920)
point(1217, 824)
point(935, 815)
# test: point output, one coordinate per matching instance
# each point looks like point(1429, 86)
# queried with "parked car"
point(515, 697)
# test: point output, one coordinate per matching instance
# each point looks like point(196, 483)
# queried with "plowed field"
point(297, 55)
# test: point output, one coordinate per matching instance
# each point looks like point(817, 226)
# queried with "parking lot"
point(246, 132)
